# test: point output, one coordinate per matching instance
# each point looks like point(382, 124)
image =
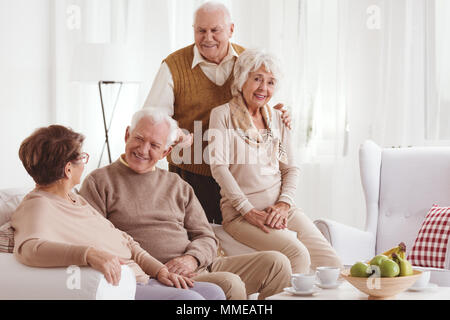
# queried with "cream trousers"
point(266, 273)
point(309, 251)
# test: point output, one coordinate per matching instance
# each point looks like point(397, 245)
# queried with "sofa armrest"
point(351, 244)
point(72, 283)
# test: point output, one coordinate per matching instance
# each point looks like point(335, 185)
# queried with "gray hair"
point(212, 6)
point(157, 116)
point(251, 60)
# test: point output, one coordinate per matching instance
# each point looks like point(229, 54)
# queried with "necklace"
point(70, 198)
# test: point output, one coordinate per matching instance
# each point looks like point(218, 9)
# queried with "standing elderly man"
point(161, 212)
point(190, 83)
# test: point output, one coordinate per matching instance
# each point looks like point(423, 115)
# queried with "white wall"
point(24, 81)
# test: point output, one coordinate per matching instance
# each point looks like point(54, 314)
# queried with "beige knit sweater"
point(52, 232)
point(249, 177)
point(158, 209)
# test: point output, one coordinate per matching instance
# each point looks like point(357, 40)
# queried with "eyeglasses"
point(84, 157)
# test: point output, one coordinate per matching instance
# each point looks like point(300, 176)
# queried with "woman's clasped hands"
point(274, 216)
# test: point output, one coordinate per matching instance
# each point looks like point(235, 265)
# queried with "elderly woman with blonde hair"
point(253, 161)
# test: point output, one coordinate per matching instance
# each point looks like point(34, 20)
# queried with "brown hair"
point(46, 152)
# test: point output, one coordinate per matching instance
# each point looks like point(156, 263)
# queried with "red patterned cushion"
point(430, 247)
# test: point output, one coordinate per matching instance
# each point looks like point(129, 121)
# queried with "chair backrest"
point(410, 181)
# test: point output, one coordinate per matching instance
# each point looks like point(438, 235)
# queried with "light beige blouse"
point(249, 177)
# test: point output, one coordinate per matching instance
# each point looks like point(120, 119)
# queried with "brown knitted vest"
point(195, 97)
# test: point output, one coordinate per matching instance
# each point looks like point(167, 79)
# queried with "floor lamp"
point(106, 65)
point(105, 125)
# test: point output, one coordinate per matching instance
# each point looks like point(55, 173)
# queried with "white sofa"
point(400, 186)
point(20, 282)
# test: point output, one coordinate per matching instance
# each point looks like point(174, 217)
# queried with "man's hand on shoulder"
point(184, 140)
point(286, 116)
point(184, 265)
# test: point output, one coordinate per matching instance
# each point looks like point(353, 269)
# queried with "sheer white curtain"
point(412, 96)
point(438, 70)
point(399, 114)
point(321, 108)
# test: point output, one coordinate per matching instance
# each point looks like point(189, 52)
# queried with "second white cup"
point(423, 280)
point(328, 275)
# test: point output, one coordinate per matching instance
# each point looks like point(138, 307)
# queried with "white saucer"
point(329, 286)
point(429, 286)
point(312, 292)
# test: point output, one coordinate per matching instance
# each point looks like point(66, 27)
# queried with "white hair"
point(157, 116)
point(251, 60)
point(213, 6)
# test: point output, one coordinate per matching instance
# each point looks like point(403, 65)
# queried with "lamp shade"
point(106, 62)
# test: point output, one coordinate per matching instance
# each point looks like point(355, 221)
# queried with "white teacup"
point(303, 282)
point(423, 280)
point(328, 275)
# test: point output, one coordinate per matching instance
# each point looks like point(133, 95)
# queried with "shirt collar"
point(199, 59)
point(122, 159)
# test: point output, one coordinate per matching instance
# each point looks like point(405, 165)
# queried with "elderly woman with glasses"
point(252, 160)
point(55, 227)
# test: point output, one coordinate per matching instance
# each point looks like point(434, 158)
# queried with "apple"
point(389, 268)
point(377, 260)
point(361, 270)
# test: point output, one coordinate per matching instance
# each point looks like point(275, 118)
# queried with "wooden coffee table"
point(347, 292)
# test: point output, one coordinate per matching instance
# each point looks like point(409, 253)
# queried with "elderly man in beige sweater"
point(161, 212)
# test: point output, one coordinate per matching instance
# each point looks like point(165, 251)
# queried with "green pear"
point(389, 268)
point(406, 268)
point(377, 260)
point(361, 270)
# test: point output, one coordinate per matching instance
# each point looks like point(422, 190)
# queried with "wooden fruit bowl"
point(381, 288)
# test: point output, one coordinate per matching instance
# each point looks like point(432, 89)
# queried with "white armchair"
point(400, 186)
point(20, 282)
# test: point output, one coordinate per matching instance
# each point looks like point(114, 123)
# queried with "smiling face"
point(146, 145)
point(258, 89)
point(212, 34)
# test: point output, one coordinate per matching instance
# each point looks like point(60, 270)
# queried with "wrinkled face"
point(212, 35)
point(145, 145)
point(259, 87)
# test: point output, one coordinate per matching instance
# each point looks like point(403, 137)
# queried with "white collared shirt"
point(161, 94)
